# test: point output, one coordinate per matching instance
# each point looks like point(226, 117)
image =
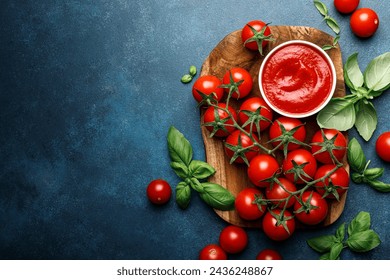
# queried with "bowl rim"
point(331, 92)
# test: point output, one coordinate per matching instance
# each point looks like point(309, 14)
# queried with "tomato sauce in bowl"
point(297, 79)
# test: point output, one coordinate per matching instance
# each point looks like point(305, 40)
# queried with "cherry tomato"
point(274, 229)
point(382, 146)
point(337, 183)
point(207, 84)
point(251, 105)
point(364, 22)
point(159, 191)
point(262, 167)
point(245, 206)
point(238, 141)
point(313, 210)
point(289, 124)
point(233, 239)
point(239, 74)
point(346, 6)
point(340, 144)
point(268, 254)
point(218, 121)
point(278, 193)
point(300, 157)
point(212, 252)
point(247, 33)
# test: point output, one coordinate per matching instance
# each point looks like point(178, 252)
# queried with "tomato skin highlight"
point(212, 252)
point(209, 117)
point(340, 141)
point(246, 141)
point(262, 167)
point(382, 146)
point(268, 254)
point(278, 232)
point(364, 22)
point(314, 216)
point(276, 192)
point(346, 6)
point(207, 84)
point(244, 206)
point(289, 124)
point(233, 239)
point(252, 104)
point(339, 178)
point(247, 33)
point(300, 156)
point(239, 74)
point(159, 191)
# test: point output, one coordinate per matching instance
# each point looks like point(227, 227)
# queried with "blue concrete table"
point(88, 92)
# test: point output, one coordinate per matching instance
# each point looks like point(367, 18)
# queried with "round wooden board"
point(230, 53)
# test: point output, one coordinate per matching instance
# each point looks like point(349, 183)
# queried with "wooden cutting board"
point(230, 53)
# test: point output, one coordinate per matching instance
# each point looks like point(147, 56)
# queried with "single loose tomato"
point(262, 167)
point(382, 146)
point(218, 121)
point(303, 162)
point(278, 193)
point(311, 208)
point(159, 191)
point(346, 6)
point(278, 227)
point(286, 124)
point(334, 185)
point(241, 84)
point(256, 111)
point(268, 254)
point(364, 22)
point(256, 41)
point(233, 239)
point(207, 85)
point(212, 252)
point(239, 147)
point(326, 142)
point(246, 206)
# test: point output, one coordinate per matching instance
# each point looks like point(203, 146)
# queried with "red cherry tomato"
point(340, 145)
point(346, 6)
point(300, 157)
point(315, 208)
point(159, 191)
point(212, 252)
point(289, 124)
point(337, 183)
point(251, 105)
point(247, 33)
point(382, 146)
point(274, 229)
point(245, 206)
point(268, 254)
point(237, 141)
point(364, 22)
point(278, 193)
point(221, 126)
point(262, 167)
point(233, 239)
point(207, 84)
point(239, 74)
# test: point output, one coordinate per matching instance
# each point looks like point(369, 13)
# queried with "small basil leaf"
point(353, 76)
point(332, 23)
point(356, 157)
point(180, 169)
point(192, 70)
point(373, 173)
point(200, 169)
point(357, 178)
point(366, 119)
point(321, 7)
point(327, 47)
point(377, 73)
point(322, 244)
point(217, 196)
point(180, 149)
point(338, 114)
point(335, 251)
point(340, 233)
point(325, 257)
point(183, 195)
point(363, 241)
point(361, 222)
point(196, 185)
point(379, 186)
point(186, 79)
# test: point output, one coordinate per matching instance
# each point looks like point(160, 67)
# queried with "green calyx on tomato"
point(240, 147)
point(260, 37)
point(329, 146)
point(219, 120)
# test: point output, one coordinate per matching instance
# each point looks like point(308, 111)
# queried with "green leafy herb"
point(334, 44)
point(357, 159)
point(192, 70)
point(217, 196)
point(187, 78)
point(331, 22)
point(183, 195)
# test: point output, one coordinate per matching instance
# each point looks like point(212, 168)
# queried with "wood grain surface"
point(229, 53)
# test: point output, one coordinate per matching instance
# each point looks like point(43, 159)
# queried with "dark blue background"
point(88, 92)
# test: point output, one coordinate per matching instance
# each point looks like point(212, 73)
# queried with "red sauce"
point(297, 79)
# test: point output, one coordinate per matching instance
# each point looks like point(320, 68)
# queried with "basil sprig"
point(331, 22)
point(193, 172)
point(358, 238)
point(343, 113)
point(363, 174)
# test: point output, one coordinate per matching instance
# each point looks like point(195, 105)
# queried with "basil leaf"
point(196, 185)
point(338, 114)
point(322, 244)
point(335, 251)
point(340, 233)
point(332, 23)
point(192, 70)
point(180, 169)
point(325, 257)
point(183, 195)
point(361, 222)
point(200, 169)
point(366, 119)
point(180, 149)
point(217, 196)
point(373, 173)
point(352, 75)
point(321, 7)
point(377, 74)
point(186, 79)
point(356, 157)
point(379, 186)
point(327, 47)
point(363, 241)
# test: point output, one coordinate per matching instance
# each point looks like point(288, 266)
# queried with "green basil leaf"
point(366, 119)
point(357, 178)
point(180, 169)
point(377, 74)
point(192, 70)
point(340, 233)
point(322, 244)
point(332, 23)
point(321, 7)
point(335, 251)
point(379, 186)
point(352, 75)
point(196, 185)
point(356, 157)
point(186, 79)
point(327, 47)
point(180, 149)
point(217, 196)
point(375, 93)
point(183, 195)
point(363, 241)
point(325, 257)
point(200, 169)
point(361, 222)
point(338, 114)
point(373, 173)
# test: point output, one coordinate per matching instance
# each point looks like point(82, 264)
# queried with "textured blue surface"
point(88, 92)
